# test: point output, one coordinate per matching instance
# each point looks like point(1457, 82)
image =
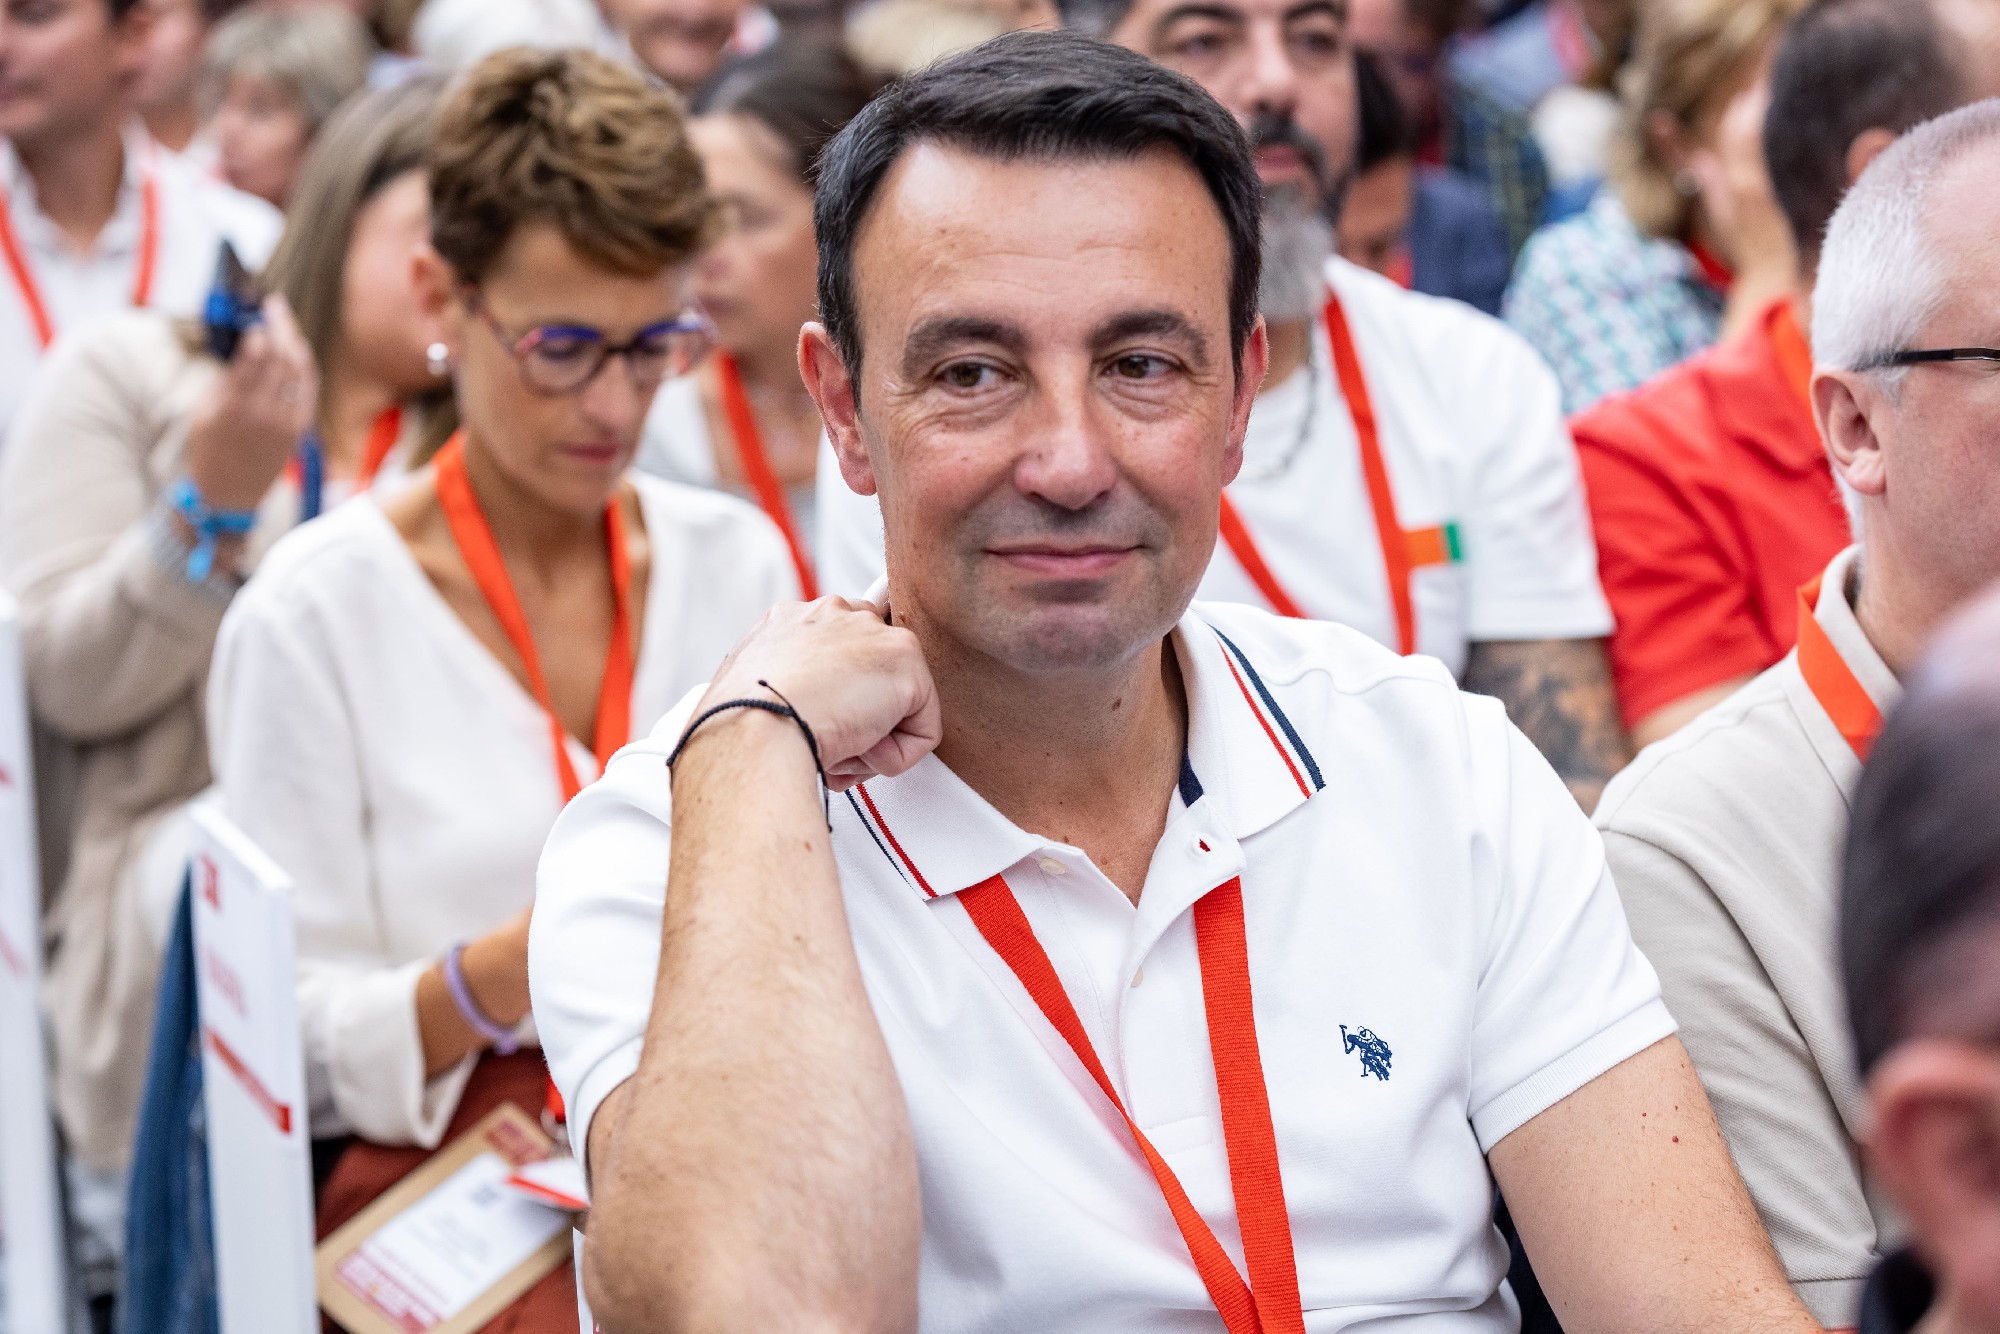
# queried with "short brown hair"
point(574, 140)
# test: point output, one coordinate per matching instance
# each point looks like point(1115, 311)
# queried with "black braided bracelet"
point(782, 707)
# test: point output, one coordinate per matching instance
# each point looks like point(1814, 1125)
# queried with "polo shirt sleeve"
point(1682, 623)
point(594, 943)
point(848, 532)
point(1531, 567)
point(1564, 994)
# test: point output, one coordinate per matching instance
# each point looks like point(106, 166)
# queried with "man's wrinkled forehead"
point(956, 235)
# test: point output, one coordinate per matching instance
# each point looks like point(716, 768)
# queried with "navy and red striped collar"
point(1245, 755)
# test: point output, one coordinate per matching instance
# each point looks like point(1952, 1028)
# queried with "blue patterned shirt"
point(1608, 306)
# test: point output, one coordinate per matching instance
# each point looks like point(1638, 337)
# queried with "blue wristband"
point(210, 526)
point(500, 1036)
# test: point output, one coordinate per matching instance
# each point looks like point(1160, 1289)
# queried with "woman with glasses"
point(409, 692)
point(744, 421)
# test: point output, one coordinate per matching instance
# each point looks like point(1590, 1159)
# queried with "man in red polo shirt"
point(1709, 489)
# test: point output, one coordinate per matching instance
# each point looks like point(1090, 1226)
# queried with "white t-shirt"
point(676, 445)
point(1409, 866)
point(364, 738)
point(454, 34)
point(196, 214)
point(1472, 435)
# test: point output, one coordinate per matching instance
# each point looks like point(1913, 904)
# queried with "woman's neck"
point(786, 415)
point(77, 178)
point(350, 408)
point(539, 536)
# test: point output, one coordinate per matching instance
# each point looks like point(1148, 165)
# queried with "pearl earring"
point(437, 359)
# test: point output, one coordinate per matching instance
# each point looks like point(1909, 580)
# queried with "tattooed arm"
point(1559, 692)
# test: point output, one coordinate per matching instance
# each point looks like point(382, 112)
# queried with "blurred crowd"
point(401, 410)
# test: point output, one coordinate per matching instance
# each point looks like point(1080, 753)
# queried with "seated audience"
point(1687, 241)
point(99, 216)
point(1709, 489)
point(1407, 472)
point(1724, 840)
point(743, 420)
point(167, 92)
point(1427, 228)
point(271, 77)
point(815, 1047)
point(1514, 91)
point(411, 688)
point(135, 431)
point(1920, 955)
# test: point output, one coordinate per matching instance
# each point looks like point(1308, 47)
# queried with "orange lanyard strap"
point(31, 291)
point(382, 438)
point(1269, 1303)
point(1403, 550)
point(1794, 353)
point(474, 536)
point(1833, 682)
point(757, 466)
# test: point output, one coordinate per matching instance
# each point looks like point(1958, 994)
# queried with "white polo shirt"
point(1409, 865)
point(1472, 435)
point(196, 212)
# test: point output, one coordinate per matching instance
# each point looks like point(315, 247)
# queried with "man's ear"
point(1864, 149)
point(1249, 382)
point(833, 390)
point(1852, 412)
point(1934, 1143)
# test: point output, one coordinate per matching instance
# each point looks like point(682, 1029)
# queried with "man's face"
point(1938, 472)
point(62, 64)
point(1047, 404)
point(681, 41)
point(1283, 67)
point(1374, 229)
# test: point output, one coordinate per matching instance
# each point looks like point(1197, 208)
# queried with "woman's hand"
point(1742, 210)
point(251, 419)
point(860, 683)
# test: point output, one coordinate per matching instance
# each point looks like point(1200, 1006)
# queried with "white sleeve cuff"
point(375, 1060)
point(1508, 1111)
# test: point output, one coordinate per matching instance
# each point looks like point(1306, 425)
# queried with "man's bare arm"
point(758, 1172)
point(1633, 1214)
point(1558, 692)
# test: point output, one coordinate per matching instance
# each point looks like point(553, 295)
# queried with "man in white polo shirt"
point(94, 216)
point(1407, 471)
point(1154, 968)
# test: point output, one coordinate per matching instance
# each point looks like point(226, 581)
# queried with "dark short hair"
point(1036, 95)
point(1922, 868)
point(1845, 67)
point(1385, 125)
point(802, 89)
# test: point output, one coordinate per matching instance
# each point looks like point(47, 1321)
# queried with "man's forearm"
point(1560, 694)
point(758, 1171)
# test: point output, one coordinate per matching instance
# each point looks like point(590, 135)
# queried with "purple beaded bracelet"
point(461, 995)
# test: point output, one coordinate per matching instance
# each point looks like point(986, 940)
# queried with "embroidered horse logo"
point(1374, 1052)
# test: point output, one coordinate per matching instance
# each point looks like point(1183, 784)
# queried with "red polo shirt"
point(1713, 501)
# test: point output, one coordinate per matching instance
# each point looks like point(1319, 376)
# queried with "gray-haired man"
point(1724, 838)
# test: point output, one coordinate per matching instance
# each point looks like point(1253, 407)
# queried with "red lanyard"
point(382, 438)
point(1713, 269)
point(1832, 682)
point(1794, 353)
point(474, 537)
point(1403, 550)
point(24, 277)
point(1269, 1303)
point(757, 466)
